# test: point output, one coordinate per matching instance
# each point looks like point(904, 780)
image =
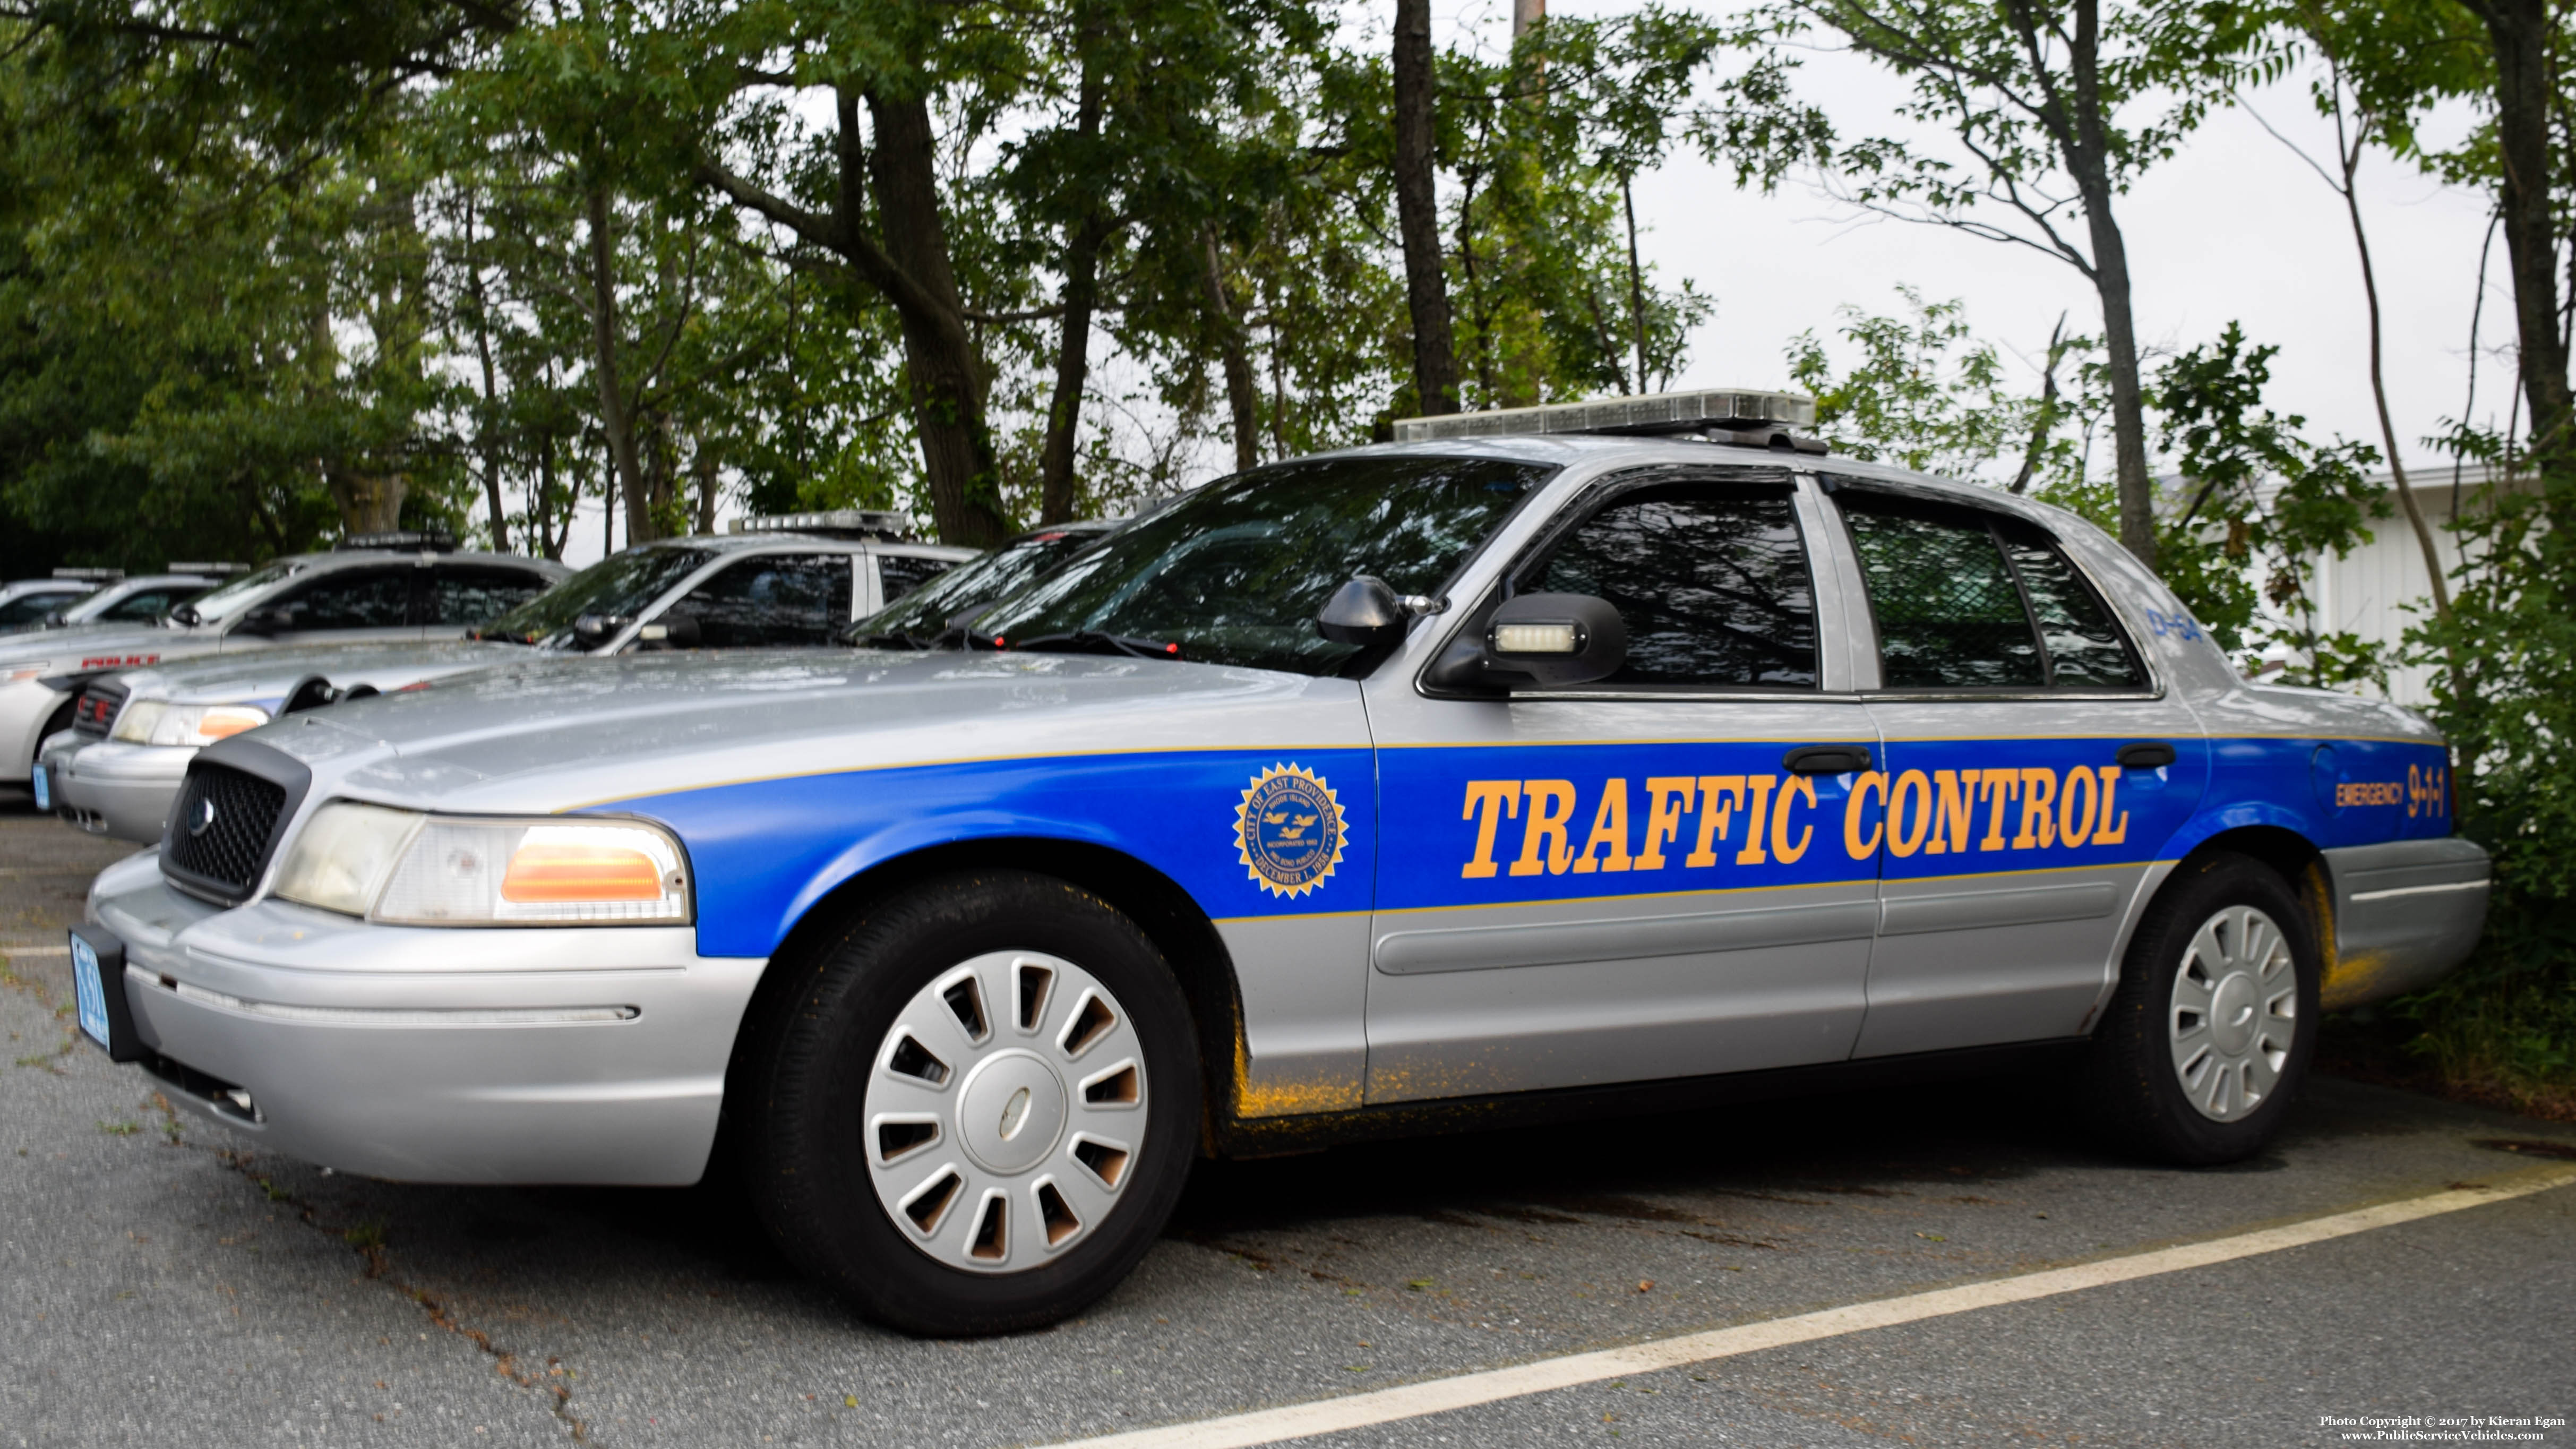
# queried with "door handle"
point(2148, 755)
point(1825, 759)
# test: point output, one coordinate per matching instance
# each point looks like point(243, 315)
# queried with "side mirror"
point(270, 619)
point(1541, 641)
point(591, 631)
point(53, 619)
point(1363, 611)
point(674, 630)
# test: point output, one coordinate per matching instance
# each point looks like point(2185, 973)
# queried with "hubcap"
point(2234, 1013)
point(1004, 1111)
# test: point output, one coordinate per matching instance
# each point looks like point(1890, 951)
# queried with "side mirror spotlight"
point(673, 630)
point(1538, 641)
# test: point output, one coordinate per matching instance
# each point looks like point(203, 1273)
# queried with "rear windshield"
point(1234, 573)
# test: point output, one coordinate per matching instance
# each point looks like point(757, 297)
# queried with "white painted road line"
point(1439, 1396)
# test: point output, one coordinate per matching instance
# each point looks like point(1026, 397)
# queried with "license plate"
point(89, 988)
point(44, 789)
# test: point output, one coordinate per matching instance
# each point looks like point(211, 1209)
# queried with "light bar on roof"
point(1662, 412)
point(827, 521)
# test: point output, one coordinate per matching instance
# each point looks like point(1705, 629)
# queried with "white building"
point(2379, 589)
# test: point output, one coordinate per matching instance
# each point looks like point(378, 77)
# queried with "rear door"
point(1630, 881)
point(347, 605)
point(2015, 836)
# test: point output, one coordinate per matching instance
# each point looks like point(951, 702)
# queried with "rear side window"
point(1970, 600)
point(774, 600)
point(901, 573)
point(1710, 577)
point(460, 596)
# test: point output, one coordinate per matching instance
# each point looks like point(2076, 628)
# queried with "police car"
point(118, 767)
point(1518, 775)
point(371, 588)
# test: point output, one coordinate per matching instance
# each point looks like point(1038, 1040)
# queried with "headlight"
point(151, 722)
point(432, 870)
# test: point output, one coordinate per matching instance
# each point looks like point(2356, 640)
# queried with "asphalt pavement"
point(163, 1284)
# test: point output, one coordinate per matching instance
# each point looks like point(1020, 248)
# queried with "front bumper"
point(2406, 912)
point(110, 787)
point(495, 1055)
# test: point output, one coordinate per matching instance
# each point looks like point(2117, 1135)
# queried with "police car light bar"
point(200, 567)
point(422, 540)
point(875, 522)
point(1663, 412)
point(101, 575)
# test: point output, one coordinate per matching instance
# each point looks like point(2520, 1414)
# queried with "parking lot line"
point(1436, 1396)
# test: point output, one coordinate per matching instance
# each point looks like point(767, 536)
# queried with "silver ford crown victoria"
point(1535, 775)
point(119, 767)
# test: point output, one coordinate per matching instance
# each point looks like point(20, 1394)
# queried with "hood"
point(559, 734)
point(260, 676)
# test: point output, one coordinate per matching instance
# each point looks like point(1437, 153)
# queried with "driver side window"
point(1710, 577)
point(350, 599)
point(771, 601)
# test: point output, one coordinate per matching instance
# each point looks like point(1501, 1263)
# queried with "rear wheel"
point(975, 1113)
point(2208, 1038)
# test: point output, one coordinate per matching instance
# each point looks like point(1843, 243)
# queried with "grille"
point(229, 849)
point(95, 713)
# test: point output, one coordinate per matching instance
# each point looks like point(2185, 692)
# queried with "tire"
point(1000, 995)
point(2208, 1037)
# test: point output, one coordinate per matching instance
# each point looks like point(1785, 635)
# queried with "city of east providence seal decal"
point(1288, 830)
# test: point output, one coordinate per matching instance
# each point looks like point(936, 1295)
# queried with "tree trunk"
point(940, 358)
point(614, 418)
point(368, 503)
point(2520, 32)
point(1636, 279)
point(2351, 158)
point(1417, 207)
point(2087, 151)
point(490, 456)
point(1073, 345)
point(1241, 395)
point(702, 464)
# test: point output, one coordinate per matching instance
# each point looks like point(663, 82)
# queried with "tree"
point(2263, 505)
point(1417, 203)
point(2038, 99)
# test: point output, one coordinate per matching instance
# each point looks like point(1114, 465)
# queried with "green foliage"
point(2259, 505)
point(1926, 393)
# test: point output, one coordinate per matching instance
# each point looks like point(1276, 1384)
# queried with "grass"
point(2508, 1043)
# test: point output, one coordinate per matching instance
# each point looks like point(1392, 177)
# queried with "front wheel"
point(975, 1113)
point(2209, 1034)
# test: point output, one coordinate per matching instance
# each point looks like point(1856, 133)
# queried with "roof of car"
point(1567, 449)
point(342, 558)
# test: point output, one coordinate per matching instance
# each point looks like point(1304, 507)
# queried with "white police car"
point(1543, 774)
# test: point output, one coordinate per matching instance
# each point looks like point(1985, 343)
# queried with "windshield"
point(920, 617)
point(221, 602)
point(621, 584)
point(1234, 573)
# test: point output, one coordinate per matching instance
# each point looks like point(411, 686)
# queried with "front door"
point(1642, 878)
point(340, 606)
point(2033, 773)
